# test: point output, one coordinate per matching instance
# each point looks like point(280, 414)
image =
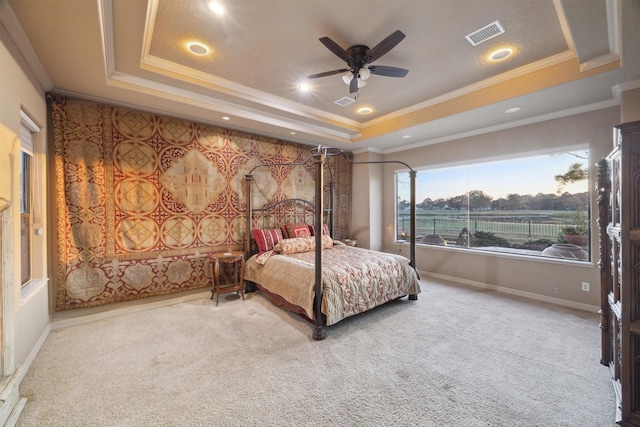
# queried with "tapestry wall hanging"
point(142, 199)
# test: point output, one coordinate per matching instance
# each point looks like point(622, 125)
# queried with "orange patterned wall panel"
point(141, 199)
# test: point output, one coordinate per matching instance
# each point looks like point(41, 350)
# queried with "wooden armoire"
point(619, 223)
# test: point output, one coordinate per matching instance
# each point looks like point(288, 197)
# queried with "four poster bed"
point(294, 261)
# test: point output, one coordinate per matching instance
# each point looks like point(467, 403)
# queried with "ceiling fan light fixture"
point(358, 57)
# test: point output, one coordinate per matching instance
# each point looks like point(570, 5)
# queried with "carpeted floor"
point(455, 357)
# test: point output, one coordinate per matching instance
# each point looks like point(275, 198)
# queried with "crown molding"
point(531, 120)
point(19, 37)
point(518, 72)
point(322, 124)
point(623, 87)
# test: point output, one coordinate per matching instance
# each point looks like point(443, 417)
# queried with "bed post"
point(412, 176)
point(318, 329)
point(247, 247)
point(332, 189)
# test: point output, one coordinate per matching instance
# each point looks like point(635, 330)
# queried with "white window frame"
point(31, 144)
point(514, 253)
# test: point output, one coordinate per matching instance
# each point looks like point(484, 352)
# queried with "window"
point(536, 205)
point(32, 267)
point(25, 217)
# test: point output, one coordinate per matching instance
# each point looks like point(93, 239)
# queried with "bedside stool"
point(225, 258)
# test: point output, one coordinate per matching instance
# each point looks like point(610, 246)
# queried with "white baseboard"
point(510, 291)
point(15, 414)
point(11, 403)
point(24, 368)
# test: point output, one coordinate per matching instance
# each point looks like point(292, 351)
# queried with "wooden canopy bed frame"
point(305, 209)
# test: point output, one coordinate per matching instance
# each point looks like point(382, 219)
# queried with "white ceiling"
point(131, 53)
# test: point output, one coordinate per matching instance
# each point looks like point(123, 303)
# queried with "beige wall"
point(26, 319)
point(547, 279)
point(366, 224)
point(630, 105)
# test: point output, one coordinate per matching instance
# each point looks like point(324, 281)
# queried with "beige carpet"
point(455, 357)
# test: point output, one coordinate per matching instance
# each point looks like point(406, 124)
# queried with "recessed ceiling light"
point(500, 54)
point(512, 110)
point(365, 110)
point(292, 133)
point(216, 7)
point(304, 87)
point(198, 48)
point(225, 118)
point(407, 136)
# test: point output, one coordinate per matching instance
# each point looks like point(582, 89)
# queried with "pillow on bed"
point(266, 238)
point(325, 229)
point(299, 229)
point(301, 244)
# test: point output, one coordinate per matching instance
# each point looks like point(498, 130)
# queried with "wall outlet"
point(585, 286)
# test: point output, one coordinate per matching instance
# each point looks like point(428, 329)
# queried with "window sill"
point(32, 287)
point(510, 255)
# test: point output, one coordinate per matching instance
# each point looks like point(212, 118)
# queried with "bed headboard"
point(277, 214)
point(283, 211)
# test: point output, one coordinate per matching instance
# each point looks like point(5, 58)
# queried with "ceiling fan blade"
point(327, 73)
point(384, 46)
point(383, 70)
point(353, 86)
point(337, 50)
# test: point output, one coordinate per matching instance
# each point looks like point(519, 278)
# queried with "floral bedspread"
point(354, 279)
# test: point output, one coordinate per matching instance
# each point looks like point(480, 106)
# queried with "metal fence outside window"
point(512, 229)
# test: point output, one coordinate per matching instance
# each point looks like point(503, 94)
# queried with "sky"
point(531, 175)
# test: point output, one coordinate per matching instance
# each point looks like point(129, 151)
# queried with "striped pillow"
point(266, 238)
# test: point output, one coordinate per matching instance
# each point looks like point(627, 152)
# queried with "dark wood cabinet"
point(619, 224)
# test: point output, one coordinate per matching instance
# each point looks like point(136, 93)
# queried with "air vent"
point(344, 101)
point(485, 33)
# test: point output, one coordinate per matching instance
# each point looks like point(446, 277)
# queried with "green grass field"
point(515, 226)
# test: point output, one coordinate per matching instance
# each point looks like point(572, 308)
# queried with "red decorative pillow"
point(299, 229)
point(266, 238)
point(325, 230)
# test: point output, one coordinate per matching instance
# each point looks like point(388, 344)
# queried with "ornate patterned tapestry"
point(142, 199)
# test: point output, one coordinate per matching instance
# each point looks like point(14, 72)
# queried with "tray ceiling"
point(566, 58)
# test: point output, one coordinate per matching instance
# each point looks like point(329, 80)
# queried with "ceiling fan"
point(359, 56)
